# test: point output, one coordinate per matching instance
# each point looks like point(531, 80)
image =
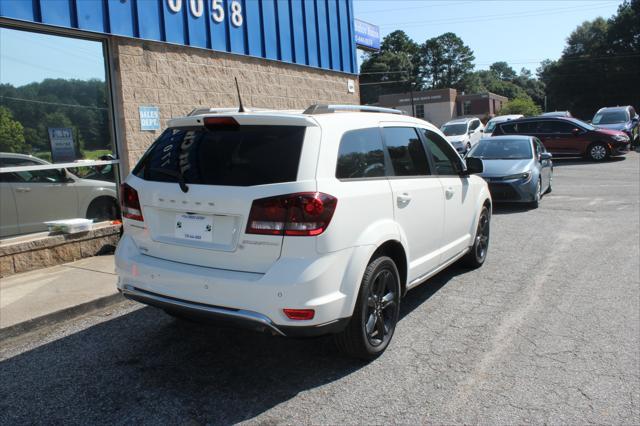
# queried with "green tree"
point(523, 105)
point(445, 61)
point(11, 133)
point(503, 71)
point(599, 66)
point(394, 69)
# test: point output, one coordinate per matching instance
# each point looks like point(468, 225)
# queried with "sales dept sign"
point(218, 11)
point(149, 118)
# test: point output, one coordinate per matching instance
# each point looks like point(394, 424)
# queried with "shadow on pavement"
point(510, 208)
point(560, 162)
point(146, 367)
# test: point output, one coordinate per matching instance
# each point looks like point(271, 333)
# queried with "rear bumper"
point(226, 316)
point(243, 298)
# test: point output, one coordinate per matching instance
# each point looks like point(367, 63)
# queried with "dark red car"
point(569, 137)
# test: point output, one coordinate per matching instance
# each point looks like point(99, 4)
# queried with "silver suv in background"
point(463, 133)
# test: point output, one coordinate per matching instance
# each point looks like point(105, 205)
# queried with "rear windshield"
point(245, 156)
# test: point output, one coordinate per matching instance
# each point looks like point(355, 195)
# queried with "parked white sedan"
point(28, 198)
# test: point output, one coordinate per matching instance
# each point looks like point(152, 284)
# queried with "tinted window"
point(361, 155)
point(556, 127)
point(42, 176)
point(447, 161)
point(406, 151)
point(474, 124)
point(13, 162)
point(245, 156)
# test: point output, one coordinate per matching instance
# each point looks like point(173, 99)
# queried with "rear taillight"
point(301, 214)
point(130, 203)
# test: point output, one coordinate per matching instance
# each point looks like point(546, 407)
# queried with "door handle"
point(403, 198)
point(23, 189)
point(449, 192)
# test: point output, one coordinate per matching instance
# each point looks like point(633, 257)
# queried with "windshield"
point(490, 126)
point(454, 129)
point(611, 117)
point(502, 149)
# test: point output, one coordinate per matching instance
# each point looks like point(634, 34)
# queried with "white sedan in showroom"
point(28, 198)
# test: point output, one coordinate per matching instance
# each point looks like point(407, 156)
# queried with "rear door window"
point(242, 156)
point(361, 155)
point(406, 151)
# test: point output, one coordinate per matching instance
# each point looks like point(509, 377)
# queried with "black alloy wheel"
point(380, 313)
point(478, 253)
point(376, 313)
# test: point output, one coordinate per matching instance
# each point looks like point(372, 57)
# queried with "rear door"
point(37, 188)
point(417, 198)
point(223, 169)
point(8, 211)
point(558, 137)
point(459, 196)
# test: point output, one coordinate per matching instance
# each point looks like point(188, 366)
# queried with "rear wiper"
point(176, 174)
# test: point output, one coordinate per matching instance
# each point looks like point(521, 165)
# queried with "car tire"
point(103, 208)
point(597, 152)
point(376, 312)
point(537, 196)
point(478, 252)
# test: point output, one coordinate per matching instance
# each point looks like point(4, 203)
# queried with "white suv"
point(302, 223)
point(463, 133)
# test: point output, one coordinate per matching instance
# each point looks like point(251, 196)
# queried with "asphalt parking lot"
point(548, 331)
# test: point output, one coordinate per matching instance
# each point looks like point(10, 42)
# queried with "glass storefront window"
point(57, 152)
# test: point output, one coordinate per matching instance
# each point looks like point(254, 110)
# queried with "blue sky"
point(29, 57)
point(520, 32)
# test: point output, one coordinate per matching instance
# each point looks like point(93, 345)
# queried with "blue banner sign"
point(149, 118)
point(316, 33)
point(367, 35)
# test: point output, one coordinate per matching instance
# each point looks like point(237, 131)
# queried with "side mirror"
point(545, 156)
point(576, 131)
point(474, 165)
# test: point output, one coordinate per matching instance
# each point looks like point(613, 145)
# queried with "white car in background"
point(491, 124)
point(463, 133)
point(299, 224)
point(28, 198)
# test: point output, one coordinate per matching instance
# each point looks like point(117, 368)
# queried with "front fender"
point(483, 196)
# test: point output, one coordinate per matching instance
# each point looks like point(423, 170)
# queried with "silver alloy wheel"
point(598, 152)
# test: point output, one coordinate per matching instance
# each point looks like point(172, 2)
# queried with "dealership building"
point(87, 85)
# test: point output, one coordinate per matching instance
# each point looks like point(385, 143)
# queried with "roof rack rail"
point(327, 109)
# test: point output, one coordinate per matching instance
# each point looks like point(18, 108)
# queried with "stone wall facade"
point(178, 79)
point(43, 250)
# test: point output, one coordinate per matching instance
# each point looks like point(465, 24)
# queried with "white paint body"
point(264, 273)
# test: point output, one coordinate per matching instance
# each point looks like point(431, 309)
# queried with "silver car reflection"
point(517, 168)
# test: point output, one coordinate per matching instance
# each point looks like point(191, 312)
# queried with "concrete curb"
point(59, 316)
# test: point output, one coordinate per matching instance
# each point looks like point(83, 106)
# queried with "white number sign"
point(196, 7)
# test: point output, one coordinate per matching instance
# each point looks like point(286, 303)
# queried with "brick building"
point(441, 105)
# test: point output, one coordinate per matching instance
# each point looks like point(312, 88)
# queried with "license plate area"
point(193, 230)
point(194, 227)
